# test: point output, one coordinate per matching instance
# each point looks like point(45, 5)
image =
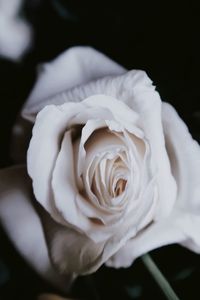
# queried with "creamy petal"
point(72, 68)
point(157, 234)
point(64, 187)
point(147, 103)
point(121, 112)
point(70, 251)
point(184, 154)
point(87, 130)
point(124, 88)
point(43, 150)
point(130, 230)
point(22, 224)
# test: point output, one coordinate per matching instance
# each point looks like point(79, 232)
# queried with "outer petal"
point(64, 187)
point(50, 125)
point(74, 67)
point(184, 153)
point(23, 225)
point(146, 101)
point(70, 250)
point(158, 234)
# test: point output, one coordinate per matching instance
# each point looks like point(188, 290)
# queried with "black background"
point(160, 38)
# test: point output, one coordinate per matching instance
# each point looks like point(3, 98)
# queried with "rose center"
point(120, 187)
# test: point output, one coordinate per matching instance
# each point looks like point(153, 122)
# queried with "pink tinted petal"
point(23, 225)
point(87, 131)
point(72, 68)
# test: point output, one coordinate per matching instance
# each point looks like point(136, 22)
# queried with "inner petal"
point(109, 179)
point(113, 161)
point(120, 187)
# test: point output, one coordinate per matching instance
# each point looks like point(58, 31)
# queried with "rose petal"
point(147, 103)
point(87, 131)
point(23, 225)
point(183, 229)
point(158, 234)
point(43, 150)
point(130, 229)
point(64, 187)
point(120, 111)
point(70, 251)
point(74, 67)
point(184, 153)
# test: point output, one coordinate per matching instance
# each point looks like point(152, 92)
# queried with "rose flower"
point(112, 171)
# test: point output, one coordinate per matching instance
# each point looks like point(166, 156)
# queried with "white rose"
point(114, 169)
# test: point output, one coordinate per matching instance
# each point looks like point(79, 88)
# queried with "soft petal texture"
point(70, 251)
point(65, 190)
point(121, 112)
point(23, 225)
point(184, 154)
point(49, 128)
point(76, 66)
point(158, 234)
point(182, 225)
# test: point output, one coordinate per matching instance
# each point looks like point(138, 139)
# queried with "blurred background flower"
point(15, 32)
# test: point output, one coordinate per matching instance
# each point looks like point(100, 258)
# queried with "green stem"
point(159, 277)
